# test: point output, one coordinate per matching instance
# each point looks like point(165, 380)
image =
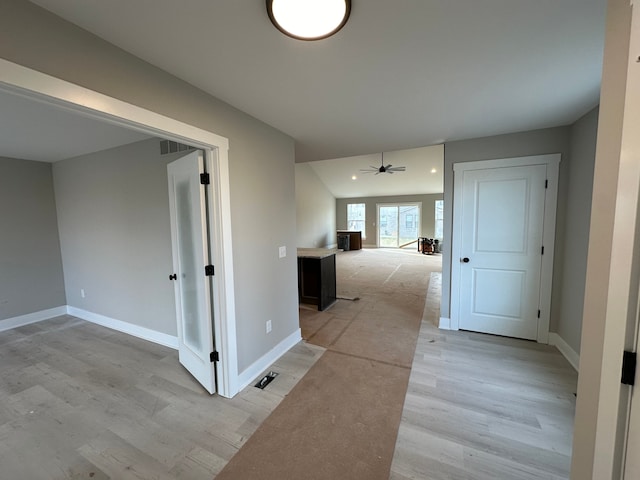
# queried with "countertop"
point(316, 252)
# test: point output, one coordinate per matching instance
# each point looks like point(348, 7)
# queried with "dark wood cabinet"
point(355, 239)
point(317, 277)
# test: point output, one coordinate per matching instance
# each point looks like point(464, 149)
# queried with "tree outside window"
point(355, 217)
point(439, 226)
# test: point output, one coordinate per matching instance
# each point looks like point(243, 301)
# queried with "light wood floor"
point(84, 402)
point(481, 407)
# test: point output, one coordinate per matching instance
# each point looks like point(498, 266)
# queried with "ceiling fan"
point(382, 168)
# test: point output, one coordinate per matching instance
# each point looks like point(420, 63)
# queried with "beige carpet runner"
point(341, 420)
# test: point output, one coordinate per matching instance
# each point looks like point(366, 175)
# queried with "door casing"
point(552, 163)
point(19, 80)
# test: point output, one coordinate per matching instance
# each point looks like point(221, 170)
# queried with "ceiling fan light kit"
point(382, 168)
point(309, 19)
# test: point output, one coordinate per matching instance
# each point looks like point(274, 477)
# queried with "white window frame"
point(364, 220)
point(417, 222)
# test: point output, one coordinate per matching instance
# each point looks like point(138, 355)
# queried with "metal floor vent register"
point(266, 380)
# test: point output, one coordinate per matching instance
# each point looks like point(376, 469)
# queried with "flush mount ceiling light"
point(309, 19)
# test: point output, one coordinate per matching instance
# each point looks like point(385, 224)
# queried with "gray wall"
point(576, 144)
point(113, 216)
point(261, 159)
point(427, 220)
point(31, 276)
point(577, 221)
point(315, 210)
point(536, 142)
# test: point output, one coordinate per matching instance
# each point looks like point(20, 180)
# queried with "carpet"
point(341, 420)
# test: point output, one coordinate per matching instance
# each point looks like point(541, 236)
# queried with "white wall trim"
point(34, 85)
point(569, 353)
point(23, 81)
point(125, 327)
point(263, 363)
point(445, 323)
point(507, 162)
point(22, 320)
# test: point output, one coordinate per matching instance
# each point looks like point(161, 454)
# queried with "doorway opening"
point(22, 81)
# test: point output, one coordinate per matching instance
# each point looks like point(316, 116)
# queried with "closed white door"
point(502, 221)
point(190, 246)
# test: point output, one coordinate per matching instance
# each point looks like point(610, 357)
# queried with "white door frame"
point(35, 85)
point(552, 163)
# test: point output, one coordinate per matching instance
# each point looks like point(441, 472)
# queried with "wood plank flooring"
point(79, 401)
point(481, 407)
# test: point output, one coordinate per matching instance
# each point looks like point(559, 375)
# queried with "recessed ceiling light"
point(433, 170)
point(309, 19)
point(353, 177)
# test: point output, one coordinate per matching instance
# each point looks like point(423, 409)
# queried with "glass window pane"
point(439, 226)
point(191, 303)
point(356, 218)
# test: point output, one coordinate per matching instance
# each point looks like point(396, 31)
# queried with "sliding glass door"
point(398, 224)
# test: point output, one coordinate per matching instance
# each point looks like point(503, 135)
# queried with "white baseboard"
point(263, 363)
point(445, 323)
point(14, 322)
point(569, 353)
point(125, 327)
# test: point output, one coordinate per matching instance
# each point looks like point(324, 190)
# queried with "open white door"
point(190, 246)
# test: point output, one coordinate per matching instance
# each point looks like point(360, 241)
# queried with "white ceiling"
point(32, 130)
point(399, 75)
point(418, 178)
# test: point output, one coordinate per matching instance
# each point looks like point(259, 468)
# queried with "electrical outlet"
point(268, 326)
point(282, 252)
point(82, 294)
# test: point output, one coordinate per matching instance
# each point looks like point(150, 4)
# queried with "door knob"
point(465, 260)
point(173, 277)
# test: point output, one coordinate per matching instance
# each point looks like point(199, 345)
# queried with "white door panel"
point(502, 229)
point(190, 249)
point(501, 203)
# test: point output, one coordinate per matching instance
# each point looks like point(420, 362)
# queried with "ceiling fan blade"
point(397, 169)
point(388, 167)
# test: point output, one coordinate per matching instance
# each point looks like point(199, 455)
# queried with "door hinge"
point(538, 313)
point(542, 250)
point(546, 184)
point(628, 368)
point(214, 357)
point(205, 179)
point(208, 270)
